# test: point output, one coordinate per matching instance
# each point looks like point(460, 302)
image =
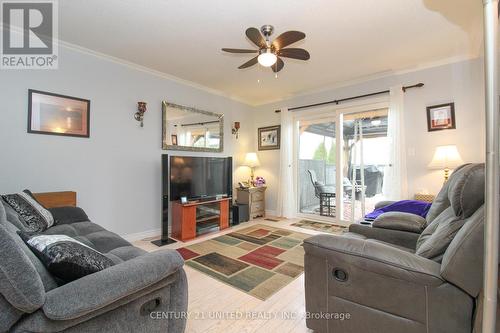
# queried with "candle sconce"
point(139, 115)
point(236, 128)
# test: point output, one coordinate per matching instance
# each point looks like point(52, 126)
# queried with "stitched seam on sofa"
point(472, 173)
point(403, 228)
point(382, 261)
point(18, 292)
point(327, 272)
point(87, 310)
point(434, 246)
point(445, 270)
point(103, 311)
point(120, 247)
point(88, 233)
point(387, 278)
point(426, 309)
point(378, 310)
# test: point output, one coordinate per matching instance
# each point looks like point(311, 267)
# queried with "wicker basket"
point(425, 197)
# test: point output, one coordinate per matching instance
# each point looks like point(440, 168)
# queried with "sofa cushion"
point(12, 217)
point(466, 190)
point(33, 216)
point(435, 239)
point(465, 195)
point(20, 283)
point(400, 221)
point(68, 214)
point(48, 281)
point(98, 238)
point(65, 257)
point(441, 202)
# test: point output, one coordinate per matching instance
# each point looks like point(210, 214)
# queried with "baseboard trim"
point(141, 235)
point(271, 213)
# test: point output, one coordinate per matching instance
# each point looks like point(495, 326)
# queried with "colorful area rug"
point(259, 260)
point(321, 226)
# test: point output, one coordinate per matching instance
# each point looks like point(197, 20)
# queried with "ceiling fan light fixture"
point(267, 58)
point(270, 53)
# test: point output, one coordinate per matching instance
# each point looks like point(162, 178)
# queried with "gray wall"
point(460, 82)
point(117, 171)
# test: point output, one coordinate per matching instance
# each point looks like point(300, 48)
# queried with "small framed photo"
point(174, 139)
point(269, 137)
point(441, 117)
point(184, 200)
point(56, 114)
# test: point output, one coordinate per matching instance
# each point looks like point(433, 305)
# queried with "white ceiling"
point(347, 39)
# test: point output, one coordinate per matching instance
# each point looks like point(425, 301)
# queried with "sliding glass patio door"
point(341, 156)
point(366, 153)
point(316, 161)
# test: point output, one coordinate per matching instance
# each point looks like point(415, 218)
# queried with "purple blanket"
point(406, 206)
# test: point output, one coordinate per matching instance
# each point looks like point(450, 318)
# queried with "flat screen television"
point(200, 177)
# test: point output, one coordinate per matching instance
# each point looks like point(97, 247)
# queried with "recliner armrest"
point(400, 221)
point(397, 237)
point(376, 257)
point(98, 290)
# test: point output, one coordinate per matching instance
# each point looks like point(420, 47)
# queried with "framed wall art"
point(56, 114)
point(269, 137)
point(441, 117)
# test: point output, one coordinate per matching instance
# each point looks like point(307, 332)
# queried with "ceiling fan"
point(270, 53)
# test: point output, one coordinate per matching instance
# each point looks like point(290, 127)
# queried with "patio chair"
point(320, 187)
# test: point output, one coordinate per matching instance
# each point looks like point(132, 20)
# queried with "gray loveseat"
point(142, 292)
point(432, 287)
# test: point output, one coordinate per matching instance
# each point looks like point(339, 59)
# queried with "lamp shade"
point(446, 157)
point(251, 160)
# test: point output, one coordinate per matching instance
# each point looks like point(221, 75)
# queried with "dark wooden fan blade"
point(256, 37)
point(239, 50)
point(288, 38)
point(294, 53)
point(278, 65)
point(249, 63)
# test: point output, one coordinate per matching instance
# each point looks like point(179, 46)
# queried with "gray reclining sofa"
point(381, 286)
point(137, 294)
point(404, 229)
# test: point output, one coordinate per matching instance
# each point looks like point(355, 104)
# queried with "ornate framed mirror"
point(190, 129)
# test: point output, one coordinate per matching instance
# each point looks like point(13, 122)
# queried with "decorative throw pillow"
point(35, 217)
point(65, 257)
point(68, 214)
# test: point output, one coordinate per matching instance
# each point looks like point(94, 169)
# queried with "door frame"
point(333, 113)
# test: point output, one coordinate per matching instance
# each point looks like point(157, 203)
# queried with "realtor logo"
point(29, 35)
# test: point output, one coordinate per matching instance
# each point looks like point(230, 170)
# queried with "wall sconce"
point(139, 115)
point(236, 128)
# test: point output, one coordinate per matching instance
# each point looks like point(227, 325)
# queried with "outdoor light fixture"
point(446, 158)
point(139, 115)
point(267, 58)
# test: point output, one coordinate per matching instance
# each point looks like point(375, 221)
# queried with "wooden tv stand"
point(192, 219)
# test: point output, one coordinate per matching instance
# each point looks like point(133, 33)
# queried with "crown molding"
point(148, 70)
point(341, 84)
point(374, 76)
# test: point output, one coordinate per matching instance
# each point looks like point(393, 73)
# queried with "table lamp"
point(251, 161)
point(446, 158)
